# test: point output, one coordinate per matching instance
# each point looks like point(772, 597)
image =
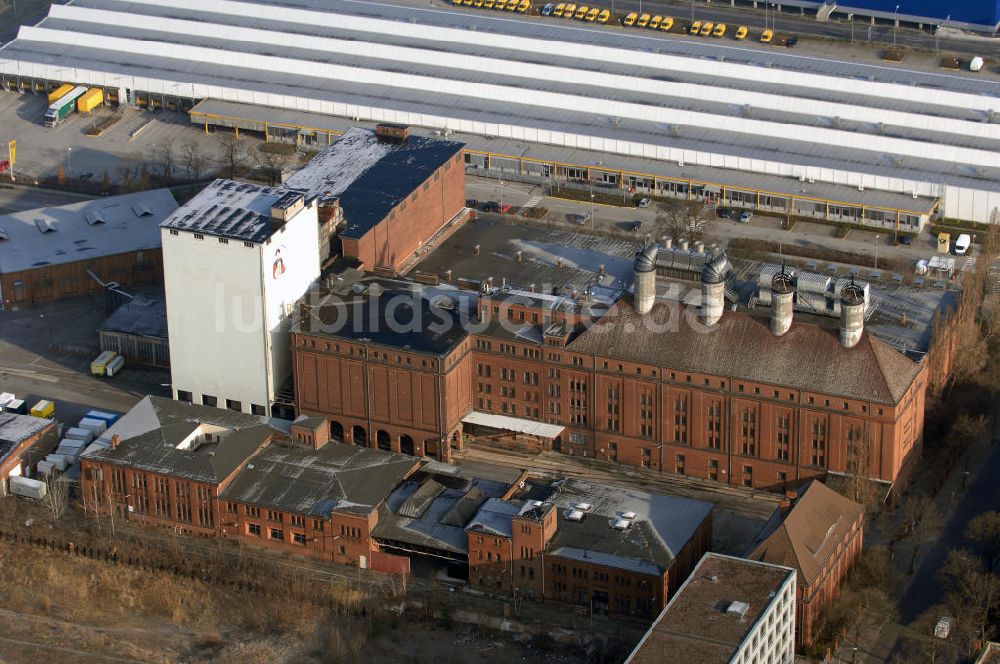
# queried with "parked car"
point(560, 8)
point(471, 203)
point(547, 9)
point(581, 12)
point(634, 226)
point(604, 16)
point(906, 239)
point(706, 29)
point(491, 206)
point(667, 23)
point(644, 203)
point(592, 14)
point(720, 30)
point(723, 212)
point(746, 217)
point(505, 208)
point(582, 219)
point(741, 32)
point(654, 23)
point(695, 28)
point(766, 36)
point(791, 42)
point(643, 21)
point(630, 19)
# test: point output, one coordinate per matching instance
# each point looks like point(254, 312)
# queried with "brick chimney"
point(115, 439)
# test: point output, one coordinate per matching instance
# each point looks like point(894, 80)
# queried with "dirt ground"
point(62, 608)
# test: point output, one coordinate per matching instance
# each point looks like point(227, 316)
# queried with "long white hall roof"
point(568, 84)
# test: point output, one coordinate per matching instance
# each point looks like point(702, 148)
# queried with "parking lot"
point(41, 150)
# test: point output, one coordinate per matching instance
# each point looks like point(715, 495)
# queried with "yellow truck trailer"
point(93, 98)
point(56, 94)
point(100, 363)
point(44, 408)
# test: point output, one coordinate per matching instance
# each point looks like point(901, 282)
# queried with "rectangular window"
point(277, 534)
point(783, 434)
point(257, 409)
point(253, 529)
point(299, 538)
point(749, 432)
point(209, 400)
point(234, 405)
point(184, 395)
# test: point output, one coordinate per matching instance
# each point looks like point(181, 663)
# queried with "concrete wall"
point(228, 309)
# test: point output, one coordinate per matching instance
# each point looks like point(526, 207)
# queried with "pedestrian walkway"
point(969, 264)
point(533, 202)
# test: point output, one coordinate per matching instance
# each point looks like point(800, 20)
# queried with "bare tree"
point(860, 486)
point(128, 173)
point(270, 163)
point(920, 520)
point(681, 219)
point(984, 531)
point(232, 155)
point(194, 159)
point(165, 155)
point(973, 595)
point(56, 496)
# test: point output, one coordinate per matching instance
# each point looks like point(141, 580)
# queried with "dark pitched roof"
point(806, 535)
point(807, 357)
point(229, 209)
point(152, 430)
point(345, 478)
point(372, 176)
point(398, 319)
point(660, 526)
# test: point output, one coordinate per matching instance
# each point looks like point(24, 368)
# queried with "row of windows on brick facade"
point(485, 370)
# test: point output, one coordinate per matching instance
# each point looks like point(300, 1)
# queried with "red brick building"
point(606, 550)
point(732, 402)
point(820, 534)
point(24, 440)
point(51, 253)
point(388, 192)
point(223, 473)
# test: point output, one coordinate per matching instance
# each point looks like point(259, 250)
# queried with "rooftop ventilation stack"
point(713, 288)
point(852, 314)
point(645, 278)
point(782, 302)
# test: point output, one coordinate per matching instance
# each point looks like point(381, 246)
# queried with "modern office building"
point(729, 611)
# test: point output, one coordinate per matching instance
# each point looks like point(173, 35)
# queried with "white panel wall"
point(290, 266)
point(215, 319)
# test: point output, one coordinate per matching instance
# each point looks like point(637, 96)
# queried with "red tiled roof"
point(808, 357)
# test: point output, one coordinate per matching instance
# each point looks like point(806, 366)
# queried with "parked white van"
point(962, 244)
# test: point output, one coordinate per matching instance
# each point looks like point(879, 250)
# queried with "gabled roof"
point(808, 357)
point(372, 176)
point(345, 478)
point(151, 432)
point(807, 534)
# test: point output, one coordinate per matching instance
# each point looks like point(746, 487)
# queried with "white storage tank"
point(29, 488)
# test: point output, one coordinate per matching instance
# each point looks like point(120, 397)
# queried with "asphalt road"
point(982, 496)
point(790, 21)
